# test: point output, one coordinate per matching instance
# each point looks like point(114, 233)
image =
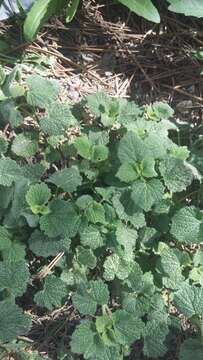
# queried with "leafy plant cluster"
point(107, 185)
point(42, 10)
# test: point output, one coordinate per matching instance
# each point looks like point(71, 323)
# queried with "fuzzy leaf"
point(95, 213)
point(131, 149)
point(53, 293)
point(89, 296)
point(83, 147)
point(189, 300)
point(176, 173)
point(58, 120)
point(24, 146)
point(136, 306)
point(154, 336)
point(9, 171)
point(11, 114)
point(147, 193)
point(191, 349)
point(186, 226)
point(5, 238)
point(15, 253)
point(41, 92)
point(170, 265)
point(127, 210)
point(83, 339)
point(33, 172)
point(91, 236)
point(37, 197)
point(12, 321)
point(126, 237)
point(135, 278)
point(127, 173)
point(3, 145)
point(67, 179)
point(42, 245)
point(99, 153)
point(61, 220)
point(14, 277)
point(114, 266)
point(86, 257)
point(129, 111)
point(127, 329)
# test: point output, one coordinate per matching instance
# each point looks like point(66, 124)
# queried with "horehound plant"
point(96, 211)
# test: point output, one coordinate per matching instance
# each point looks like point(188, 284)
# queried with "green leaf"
point(91, 236)
point(24, 145)
point(19, 205)
point(126, 237)
point(84, 201)
point(95, 213)
point(53, 293)
point(145, 194)
point(147, 168)
point(129, 111)
point(99, 153)
point(135, 279)
point(180, 152)
point(176, 173)
point(161, 110)
point(103, 352)
point(154, 337)
point(114, 266)
point(127, 173)
point(198, 258)
point(12, 321)
point(127, 210)
point(42, 245)
point(104, 107)
point(170, 266)
point(86, 257)
point(10, 171)
point(5, 238)
point(3, 145)
point(156, 145)
point(33, 172)
point(58, 120)
point(186, 226)
point(83, 147)
point(189, 300)
point(191, 8)
point(67, 179)
point(127, 328)
point(71, 9)
point(10, 113)
point(191, 349)
point(88, 296)
point(15, 253)
point(83, 339)
point(14, 277)
point(144, 8)
point(196, 275)
point(61, 220)
point(131, 149)
point(37, 197)
point(39, 13)
point(136, 306)
point(41, 92)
